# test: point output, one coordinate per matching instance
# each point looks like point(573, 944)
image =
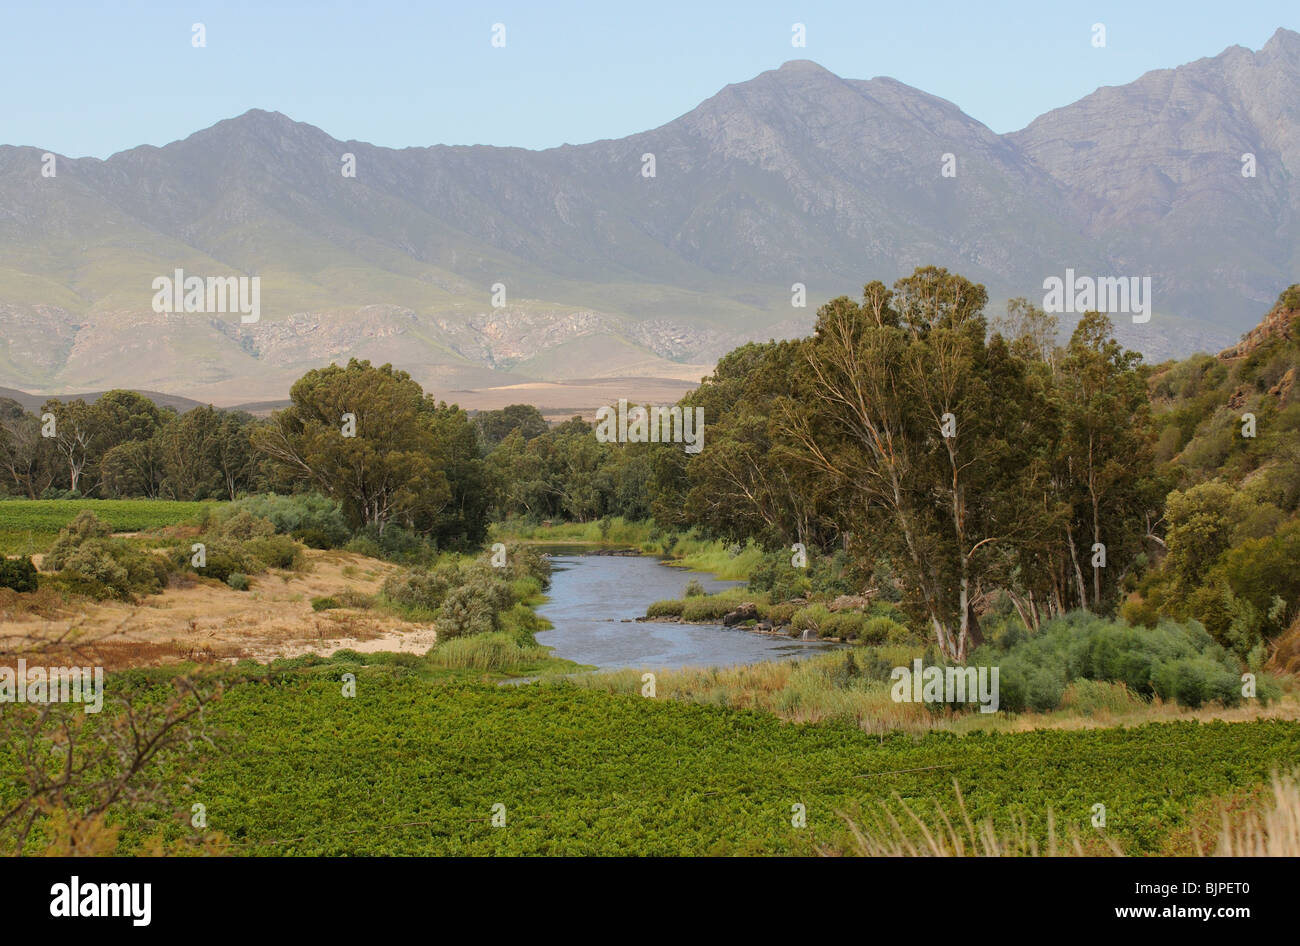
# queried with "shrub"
point(85, 527)
point(811, 617)
point(524, 561)
point(1097, 697)
point(848, 625)
point(778, 614)
point(325, 603)
point(693, 589)
point(238, 581)
point(311, 518)
point(708, 608)
point(779, 578)
point(882, 630)
point(394, 544)
point(274, 551)
point(242, 525)
point(465, 611)
point(462, 598)
point(665, 609)
point(112, 568)
point(18, 574)
point(355, 599)
point(221, 559)
point(1192, 681)
point(1177, 662)
point(900, 634)
point(419, 592)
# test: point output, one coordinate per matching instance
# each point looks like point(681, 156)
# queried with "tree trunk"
point(1078, 572)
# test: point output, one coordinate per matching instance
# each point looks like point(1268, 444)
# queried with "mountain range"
point(605, 274)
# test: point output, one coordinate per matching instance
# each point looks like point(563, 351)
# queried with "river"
point(594, 603)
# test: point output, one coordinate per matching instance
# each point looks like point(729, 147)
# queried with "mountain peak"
point(806, 66)
point(1284, 41)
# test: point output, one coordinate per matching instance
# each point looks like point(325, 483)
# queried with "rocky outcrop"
point(746, 612)
point(1282, 321)
point(851, 602)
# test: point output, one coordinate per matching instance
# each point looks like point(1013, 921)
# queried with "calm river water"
point(595, 599)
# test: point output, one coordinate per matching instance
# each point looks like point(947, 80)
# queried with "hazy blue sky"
point(91, 79)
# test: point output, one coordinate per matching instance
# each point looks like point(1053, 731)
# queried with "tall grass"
point(879, 832)
point(497, 651)
point(1269, 829)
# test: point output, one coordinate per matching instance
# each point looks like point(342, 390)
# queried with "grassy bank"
point(688, 550)
point(852, 687)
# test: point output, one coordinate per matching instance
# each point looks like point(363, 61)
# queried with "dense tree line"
point(124, 445)
point(366, 437)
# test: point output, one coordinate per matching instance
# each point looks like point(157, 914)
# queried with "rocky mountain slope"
point(795, 176)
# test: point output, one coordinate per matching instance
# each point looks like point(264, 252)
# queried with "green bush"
point(778, 614)
point(665, 609)
point(465, 611)
point(241, 525)
point(707, 609)
point(525, 589)
point(525, 562)
point(238, 581)
point(1193, 681)
point(394, 544)
point(419, 592)
point(325, 603)
point(466, 598)
point(1178, 662)
point(83, 528)
point(1290, 298)
point(112, 568)
point(775, 575)
point(312, 519)
point(848, 625)
point(274, 551)
point(18, 574)
point(221, 559)
point(882, 630)
point(811, 617)
point(693, 589)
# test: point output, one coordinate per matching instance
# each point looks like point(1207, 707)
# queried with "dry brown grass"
point(1271, 829)
point(1268, 827)
point(881, 833)
point(1286, 650)
point(202, 619)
